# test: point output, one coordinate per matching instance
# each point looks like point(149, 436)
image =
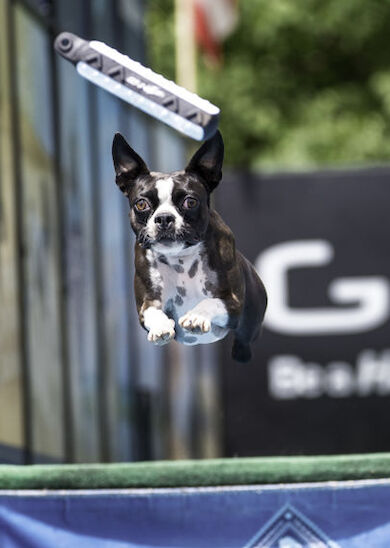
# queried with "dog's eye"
point(141, 205)
point(190, 203)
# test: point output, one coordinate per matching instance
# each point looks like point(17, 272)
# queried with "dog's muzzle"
point(165, 224)
point(165, 221)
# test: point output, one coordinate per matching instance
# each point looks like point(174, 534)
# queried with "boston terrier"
point(191, 284)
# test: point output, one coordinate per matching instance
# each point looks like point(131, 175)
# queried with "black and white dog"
point(191, 284)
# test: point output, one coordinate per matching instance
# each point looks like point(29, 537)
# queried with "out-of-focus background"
point(304, 92)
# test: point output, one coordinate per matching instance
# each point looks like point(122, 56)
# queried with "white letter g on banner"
point(370, 295)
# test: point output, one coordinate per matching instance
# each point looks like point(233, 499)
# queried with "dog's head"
point(169, 211)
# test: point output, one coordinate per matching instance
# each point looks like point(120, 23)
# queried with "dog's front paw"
point(162, 333)
point(194, 322)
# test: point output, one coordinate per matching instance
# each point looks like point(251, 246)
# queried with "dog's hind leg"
point(252, 315)
point(241, 352)
point(244, 336)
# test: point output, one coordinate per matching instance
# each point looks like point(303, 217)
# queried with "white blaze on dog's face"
point(166, 216)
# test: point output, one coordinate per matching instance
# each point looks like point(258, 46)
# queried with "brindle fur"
point(238, 285)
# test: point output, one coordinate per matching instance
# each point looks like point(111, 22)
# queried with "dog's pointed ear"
point(128, 165)
point(207, 161)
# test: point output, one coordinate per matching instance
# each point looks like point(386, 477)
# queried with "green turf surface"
point(239, 471)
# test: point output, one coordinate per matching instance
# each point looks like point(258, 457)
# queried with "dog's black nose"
point(164, 220)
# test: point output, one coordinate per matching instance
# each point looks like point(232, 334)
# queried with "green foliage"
point(303, 83)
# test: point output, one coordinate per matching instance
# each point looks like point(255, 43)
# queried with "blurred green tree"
point(302, 84)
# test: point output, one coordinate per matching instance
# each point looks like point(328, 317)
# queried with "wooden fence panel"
point(80, 241)
point(115, 286)
point(40, 238)
point(11, 405)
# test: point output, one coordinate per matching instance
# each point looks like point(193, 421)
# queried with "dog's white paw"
point(162, 333)
point(194, 322)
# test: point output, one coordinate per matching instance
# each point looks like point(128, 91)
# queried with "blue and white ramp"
point(341, 514)
point(289, 502)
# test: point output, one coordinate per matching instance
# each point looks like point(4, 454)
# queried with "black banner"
point(319, 381)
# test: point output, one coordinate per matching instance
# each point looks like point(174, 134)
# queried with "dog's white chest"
point(184, 280)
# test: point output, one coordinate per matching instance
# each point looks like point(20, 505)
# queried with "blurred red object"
point(214, 21)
